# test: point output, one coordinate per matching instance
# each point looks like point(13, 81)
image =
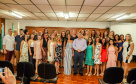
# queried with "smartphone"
point(2, 70)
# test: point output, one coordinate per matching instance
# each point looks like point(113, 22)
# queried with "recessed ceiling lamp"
point(12, 13)
point(66, 15)
point(122, 17)
point(118, 15)
point(18, 13)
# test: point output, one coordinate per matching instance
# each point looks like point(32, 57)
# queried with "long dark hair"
point(25, 31)
point(88, 41)
point(44, 31)
point(68, 31)
point(104, 45)
point(66, 40)
point(47, 36)
point(94, 34)
point(31, 35)
point(61, 34)
point(118, 37)
point(113, 42)
point(24, 38)
point(104, 34)
point(95, 40)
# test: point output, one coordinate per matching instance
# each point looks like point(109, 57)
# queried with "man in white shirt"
point(8, 45)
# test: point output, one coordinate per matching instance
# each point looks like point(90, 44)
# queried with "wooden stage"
point(70, 79)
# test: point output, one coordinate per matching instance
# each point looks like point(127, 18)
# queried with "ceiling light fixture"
point(15, 15)
point(122, 17)
point(18, 13)
point(66, 15)
point(118, 15)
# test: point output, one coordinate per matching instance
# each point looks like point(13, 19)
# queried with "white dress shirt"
point(9, 42)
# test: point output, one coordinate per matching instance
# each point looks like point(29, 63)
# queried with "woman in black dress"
point(63, 38)
point(74, 35)
point(45, 32)
point(44, 43)
point(111, 35)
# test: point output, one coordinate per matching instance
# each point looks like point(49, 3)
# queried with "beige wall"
point(125, 28)
point(42, 23)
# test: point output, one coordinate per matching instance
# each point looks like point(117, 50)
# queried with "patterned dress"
point(24, 57)
point(68, 58)
point(97, 51)
point(58, 50)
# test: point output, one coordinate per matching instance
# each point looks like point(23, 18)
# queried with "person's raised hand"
point(9, 78)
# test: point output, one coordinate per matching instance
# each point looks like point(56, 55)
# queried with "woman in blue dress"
point(89, 59)
point(119, 44)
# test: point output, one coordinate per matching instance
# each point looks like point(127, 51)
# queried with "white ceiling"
point(79, 10)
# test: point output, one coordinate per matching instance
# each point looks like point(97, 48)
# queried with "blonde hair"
point(130, 38)
point(51, 35)
point(57, 38)
point(88, 32)
point(56, 32)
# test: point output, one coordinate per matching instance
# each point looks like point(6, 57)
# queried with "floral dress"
point(24, 57)
point(58, 50)
point(97, 51)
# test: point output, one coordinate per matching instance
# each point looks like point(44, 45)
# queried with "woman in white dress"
point(24, 50)
point(128, 47)
point(51, 49)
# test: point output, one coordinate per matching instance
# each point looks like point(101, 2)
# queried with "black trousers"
point(78, 57)
point(33, 61)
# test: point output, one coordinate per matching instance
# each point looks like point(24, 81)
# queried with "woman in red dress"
point(103, 56)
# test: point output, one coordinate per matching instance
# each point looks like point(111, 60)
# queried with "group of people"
point(78, 49)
